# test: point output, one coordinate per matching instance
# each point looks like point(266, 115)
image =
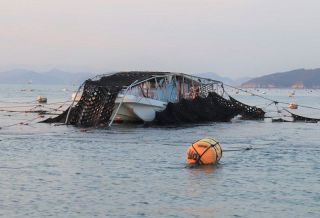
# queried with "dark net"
point(299, 118)
point(94, 108)
point(98, 99)
point(248, 112)
point(212, 108)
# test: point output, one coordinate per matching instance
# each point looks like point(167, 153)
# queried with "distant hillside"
point(54, 76)
point(300, 78)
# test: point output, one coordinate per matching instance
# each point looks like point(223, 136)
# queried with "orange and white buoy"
point(293, 106)
point(204, 151)
point(41, 99)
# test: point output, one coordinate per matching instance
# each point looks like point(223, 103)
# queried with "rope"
point(46, 110)
point(198, 161)
point(16, 102)
point(269, 99)
point(21, 123)
point(34, 104)
point(241, 149)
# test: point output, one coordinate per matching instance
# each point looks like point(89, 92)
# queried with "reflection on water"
point(203, 169)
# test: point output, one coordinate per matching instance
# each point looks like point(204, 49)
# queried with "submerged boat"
point(158, 97)
point(143, 99)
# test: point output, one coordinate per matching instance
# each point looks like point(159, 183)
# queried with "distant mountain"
point(300, 78)
point(54, 76)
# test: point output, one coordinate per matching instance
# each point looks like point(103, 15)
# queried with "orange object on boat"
point(204, 151)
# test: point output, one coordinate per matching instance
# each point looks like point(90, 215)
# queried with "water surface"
point(138, 171)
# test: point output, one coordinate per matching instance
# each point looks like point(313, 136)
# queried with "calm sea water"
point(137, 171)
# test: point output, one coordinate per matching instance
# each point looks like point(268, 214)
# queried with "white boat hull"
point(134, 108)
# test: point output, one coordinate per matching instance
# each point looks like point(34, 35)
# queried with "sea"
point(268, 169)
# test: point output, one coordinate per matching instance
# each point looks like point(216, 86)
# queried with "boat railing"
point(198, 87)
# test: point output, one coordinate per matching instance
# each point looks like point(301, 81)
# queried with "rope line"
point(21, 123)
point(269, 99)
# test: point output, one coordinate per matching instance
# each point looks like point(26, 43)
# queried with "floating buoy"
point(204, 151)
point(41, 99)
point(293, 106)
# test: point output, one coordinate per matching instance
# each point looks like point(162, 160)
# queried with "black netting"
point(248, 112)
point(299, 118)
point(98, 99)
point(212, 108)
point(94, 108)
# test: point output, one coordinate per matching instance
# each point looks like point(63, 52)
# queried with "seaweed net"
point(211, 108)
point(98, 99)
point(299, 118)
point(248, 112)
point(94, 108)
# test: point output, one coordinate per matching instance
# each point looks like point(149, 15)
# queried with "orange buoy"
point(293, 106)
point(41, 99)
point(204, 151)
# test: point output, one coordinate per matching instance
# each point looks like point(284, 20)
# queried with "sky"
point(234, 38)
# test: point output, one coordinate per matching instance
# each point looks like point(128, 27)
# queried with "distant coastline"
point(297, 79)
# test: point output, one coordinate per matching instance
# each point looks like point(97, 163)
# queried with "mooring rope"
point(269, 99)
point(34, 106)
point(26, 122)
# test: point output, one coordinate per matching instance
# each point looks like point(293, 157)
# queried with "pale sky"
point(230, 37)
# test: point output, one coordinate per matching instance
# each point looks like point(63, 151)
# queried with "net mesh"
point(98, 99)
point(211, 108)
point(298, 118)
